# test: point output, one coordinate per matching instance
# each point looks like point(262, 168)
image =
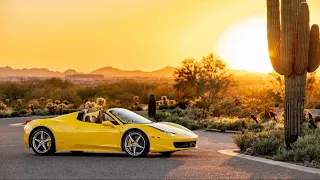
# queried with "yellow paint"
point(71, 134)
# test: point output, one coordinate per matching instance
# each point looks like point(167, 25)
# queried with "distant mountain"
point(108, 72)
point(33, 72)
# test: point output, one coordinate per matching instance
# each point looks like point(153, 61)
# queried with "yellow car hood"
point(173, 129)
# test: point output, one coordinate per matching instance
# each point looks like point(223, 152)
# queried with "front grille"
point(185, 144)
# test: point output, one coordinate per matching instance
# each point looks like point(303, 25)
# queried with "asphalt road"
point(17, 162)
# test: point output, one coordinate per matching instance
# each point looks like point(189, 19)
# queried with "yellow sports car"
point(113, 130)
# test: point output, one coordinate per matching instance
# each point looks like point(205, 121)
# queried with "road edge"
point(231, 152)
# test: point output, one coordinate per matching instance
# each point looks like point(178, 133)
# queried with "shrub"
point(39, 112)
point(253, 127)
point(177, 111)
point(160, 116)
point(244, 141)
point(263, 143)
point(172, 106)
point(24, 112)
point(4, 114)
point(196, 114)
point(15, 114)
point(317, 119)
point(194, 126)
point(162, 107)
point(306, 148)
point(174, 119)
point(266, 145)
point(227, 124)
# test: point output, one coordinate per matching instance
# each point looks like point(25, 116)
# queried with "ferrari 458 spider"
point(113, 130)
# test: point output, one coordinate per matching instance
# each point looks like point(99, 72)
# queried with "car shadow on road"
point(116, 155)
point(259, 170)
point(89, 165)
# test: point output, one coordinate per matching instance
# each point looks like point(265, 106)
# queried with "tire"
point(136, 144)
point(42, 142)
point(166, 154)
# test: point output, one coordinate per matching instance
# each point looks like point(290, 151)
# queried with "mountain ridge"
point(108, 72)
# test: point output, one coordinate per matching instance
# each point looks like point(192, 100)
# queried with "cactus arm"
point(273, 26)
point(314, 56)
point(286, 35)
point(303, 40)
point(296, 9)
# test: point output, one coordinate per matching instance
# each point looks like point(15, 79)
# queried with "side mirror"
point(107, 123)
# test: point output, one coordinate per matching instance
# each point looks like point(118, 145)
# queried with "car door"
point(96, 137)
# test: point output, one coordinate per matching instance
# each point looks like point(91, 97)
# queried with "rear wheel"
point(42, 142)
point(167, 154)
point(136, 144)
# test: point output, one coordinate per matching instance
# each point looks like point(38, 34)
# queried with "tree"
point(207, 79)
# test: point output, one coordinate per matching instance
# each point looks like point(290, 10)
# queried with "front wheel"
point(42, 142)
point(136, 144)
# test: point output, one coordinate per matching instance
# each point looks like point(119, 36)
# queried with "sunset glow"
point(244, 45)
point(130, 35)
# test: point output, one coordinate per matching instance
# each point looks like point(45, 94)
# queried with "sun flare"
point(244, 45)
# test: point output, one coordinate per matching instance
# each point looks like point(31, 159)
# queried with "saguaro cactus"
point(294, 51)
point(152, 106)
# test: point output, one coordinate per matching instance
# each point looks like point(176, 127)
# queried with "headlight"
point(167, 132)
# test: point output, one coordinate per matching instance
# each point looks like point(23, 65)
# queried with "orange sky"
point(127, 34)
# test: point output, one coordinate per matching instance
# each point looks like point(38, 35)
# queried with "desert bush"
point(39, 112)
point(196, 114)
point(306, 148)
point(174, 119)
point(253, 127)
point(15, 114)
point(317, 119)
point(263, 143)
point(177, 111)
point(194, 126)
point(4, 114)
point(268, 142)
point(172, 106)
point(227, 124)
point(266, 146)
point(20, 113)
point(23, 112)
point(244, 141)
point(160, 116)
point(163, 107)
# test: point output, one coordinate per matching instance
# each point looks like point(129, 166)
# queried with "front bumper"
point(172, 143)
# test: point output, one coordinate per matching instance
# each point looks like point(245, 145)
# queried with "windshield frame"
point(129, 114)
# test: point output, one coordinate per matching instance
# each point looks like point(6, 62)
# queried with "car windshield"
point(128, 117)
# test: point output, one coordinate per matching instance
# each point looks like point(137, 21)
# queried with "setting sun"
point(244, 45)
